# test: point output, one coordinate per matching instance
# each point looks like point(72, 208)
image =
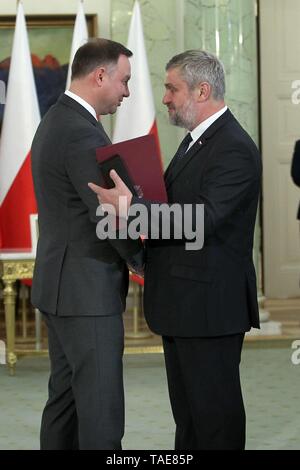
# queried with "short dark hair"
point(97, 52)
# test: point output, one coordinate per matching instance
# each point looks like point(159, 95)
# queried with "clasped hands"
point(116, 201)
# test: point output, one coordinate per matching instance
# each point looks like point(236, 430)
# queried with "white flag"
point(136, 116)
point(80, 37)
point(20, 121)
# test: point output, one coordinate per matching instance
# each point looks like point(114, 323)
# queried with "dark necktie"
point(182, 149)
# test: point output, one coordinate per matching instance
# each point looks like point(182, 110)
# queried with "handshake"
point(135, 268)
point(138, 271)
point(136, 261)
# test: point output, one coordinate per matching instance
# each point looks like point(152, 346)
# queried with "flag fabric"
point(136, 116)
point(20, 121)
point(80, 37)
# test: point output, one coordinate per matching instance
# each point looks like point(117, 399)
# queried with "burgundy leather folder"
point(143, 164)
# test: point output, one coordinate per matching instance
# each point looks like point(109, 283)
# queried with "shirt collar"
point(83, 103)
point(203, 126)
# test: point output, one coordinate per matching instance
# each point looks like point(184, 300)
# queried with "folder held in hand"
point(138, 163)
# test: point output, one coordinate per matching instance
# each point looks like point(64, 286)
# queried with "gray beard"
point(185, 118)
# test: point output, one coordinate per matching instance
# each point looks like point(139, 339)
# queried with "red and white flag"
point(20, 121)
point(136, 116)
point(80, 37)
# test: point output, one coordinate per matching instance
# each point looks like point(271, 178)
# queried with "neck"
point(212, 108)
point(81, 92)
point(209, 108)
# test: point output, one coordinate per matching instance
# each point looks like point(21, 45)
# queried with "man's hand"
point(119, 197)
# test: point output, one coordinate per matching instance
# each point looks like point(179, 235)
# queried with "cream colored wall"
point(280, 67)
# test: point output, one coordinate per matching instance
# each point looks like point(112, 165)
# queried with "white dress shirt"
point(83, 103)
point(203, 126)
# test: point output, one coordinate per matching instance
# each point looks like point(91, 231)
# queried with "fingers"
point(116, 178)
point(120, 186)
point(95, 188)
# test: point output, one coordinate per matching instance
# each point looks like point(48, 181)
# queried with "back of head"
point(200, 66)
point(95, 53)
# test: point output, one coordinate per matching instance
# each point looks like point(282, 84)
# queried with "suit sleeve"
point(295, 168)
point(82, 168)
point(231, 179)
point(231, 182)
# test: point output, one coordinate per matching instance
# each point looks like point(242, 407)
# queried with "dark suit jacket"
point(295, 169)
point(211, 291)
point(75, 272)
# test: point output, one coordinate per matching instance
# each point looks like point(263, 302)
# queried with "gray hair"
point(199, 66)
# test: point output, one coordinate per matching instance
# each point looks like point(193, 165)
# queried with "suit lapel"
point(67, 101)
point(172, 173)
point(104, 135)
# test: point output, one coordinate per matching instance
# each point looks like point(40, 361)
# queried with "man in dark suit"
point(80, 282)
point(203, 301)
point(295, 169)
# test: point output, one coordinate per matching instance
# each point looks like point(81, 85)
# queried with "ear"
point(204, 91)
point(99, 73)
